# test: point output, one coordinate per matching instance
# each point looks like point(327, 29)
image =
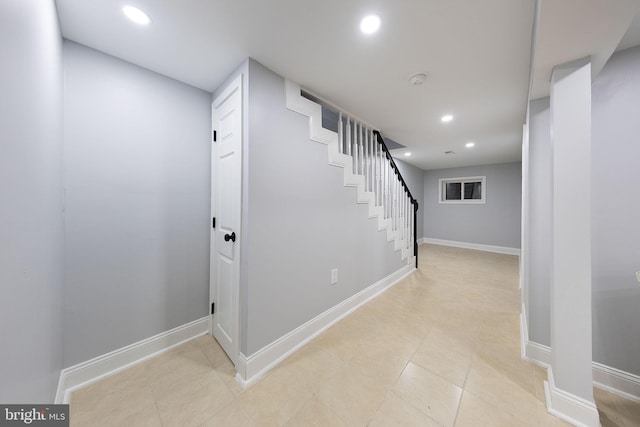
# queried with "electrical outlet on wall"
point(334, 276)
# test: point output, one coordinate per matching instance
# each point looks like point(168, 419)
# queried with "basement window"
point(471, 189)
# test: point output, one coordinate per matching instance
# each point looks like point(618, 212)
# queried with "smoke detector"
point(417, 79)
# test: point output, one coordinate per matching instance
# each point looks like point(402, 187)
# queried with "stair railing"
point(371, 159)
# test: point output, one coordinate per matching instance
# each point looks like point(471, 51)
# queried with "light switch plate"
point(334, 276)
point(638, 276)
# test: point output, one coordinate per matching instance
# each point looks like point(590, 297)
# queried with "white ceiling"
point(476, 53)
point(573, 29)
point(632, 36)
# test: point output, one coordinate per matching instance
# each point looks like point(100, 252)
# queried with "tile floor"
point(441, 348)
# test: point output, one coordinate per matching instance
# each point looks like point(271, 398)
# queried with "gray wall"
point(30, 201)
point(414, 178)
point(299, 222)
point(540, 191)
point(495, 223)
point(137, 192)
point(615, 212)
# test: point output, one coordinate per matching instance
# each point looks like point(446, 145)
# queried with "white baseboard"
point(421, 241)
point(474, 246)
point(93, 370)
point(569, 407)
point(538, 354)
point(532, 351)
point(524, 333)
point(616, 381)
point(253, 367)
point(606, 378)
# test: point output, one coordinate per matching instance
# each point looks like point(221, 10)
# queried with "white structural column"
point(569, 389)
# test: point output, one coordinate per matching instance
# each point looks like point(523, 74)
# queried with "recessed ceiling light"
point(136, 15)
point(370, 24)
point(407, 154)
point(447, 118)
point(470, 144)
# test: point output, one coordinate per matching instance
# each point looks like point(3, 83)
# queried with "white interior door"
point(226, 199)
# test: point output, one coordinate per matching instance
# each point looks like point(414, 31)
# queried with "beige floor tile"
point(502, 388)
point(227, 372)
point(444, 356)
point(605, 400)
point(397, 412)
point(130, 379)
point(352, 397)
point(428, 392)
point(379, 363)
point(340, 344)
point(133, 406)
point(464, 322)
point(539, 377)
point(511, 367)
point(629, 411)
point(275, 398)
point(193, 402)
point(475, 412)
point(133, 377)
point(407, 326)
point(176, 367)
point(504, 353)
point(402, 359)
point(400, 331)
point(360, 324)
point(312, 365)
point(213, 352)
point(231, 416)
point(607, 421)
point(141, 418)
point(501, 328)
point(544, 418)
point(615, 410)
point(315, 414)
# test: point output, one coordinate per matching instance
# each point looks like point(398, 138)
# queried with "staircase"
point(368, 166)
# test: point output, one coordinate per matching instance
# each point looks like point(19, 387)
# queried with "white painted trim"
point(251, 368)
point(569, 407)
point(616, 381)
point(524, 333)
point(532, 351)
point(93, 370)
point(620, 383)
point(538, 354)
point(474, 246)
point(524, 217)
point(421, 241)
point(340, 109)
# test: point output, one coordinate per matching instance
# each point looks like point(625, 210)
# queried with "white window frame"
point(462, 180)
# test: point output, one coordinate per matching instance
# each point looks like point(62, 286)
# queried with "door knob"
point(231, 237)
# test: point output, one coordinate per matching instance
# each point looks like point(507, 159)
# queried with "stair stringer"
point(296, 102)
